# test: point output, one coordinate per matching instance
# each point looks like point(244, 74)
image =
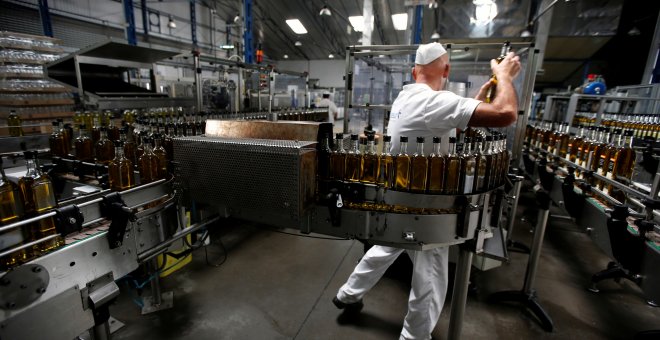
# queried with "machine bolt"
point(41, 290)
point(72, 220)
point(36, 269)
point(23, 286)
point(10, 305)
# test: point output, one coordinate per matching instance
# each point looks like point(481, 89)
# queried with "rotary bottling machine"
point(267, 172)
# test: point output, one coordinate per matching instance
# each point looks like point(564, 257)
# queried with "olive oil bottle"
point(84, 146)
point(402, 165)
point(160, 152)
point(370, 162)
point(338, 158)
point(480, 166)
point(148, 163)
point(453, 168)
point(323, 159)
point(104, 148)
point(120, 170)
point(468, 167)
point(419, 168)
point(353, 169)
point(386, 177)
point(10, 212)
point(57, 141)
point(436, 173)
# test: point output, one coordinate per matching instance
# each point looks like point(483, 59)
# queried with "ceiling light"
point(358, 22)
point(325, 11)
point(171, 23)
point(286, 56)
point(331, 56)
point(435, 36)
point(484, 12)
point(400, 21)
point(526, 33)
point(296, 26)
point(634, 31)
point(433, 4)
point(237, 18)
point(298, 43)
point(227, 47)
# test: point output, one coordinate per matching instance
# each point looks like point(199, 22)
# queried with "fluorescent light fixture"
point(171, 23)
point(325, 11)
point(296, 26)
point(298, 43)
point(227, 47)
point(358, 22)
point(237, 18)
point(435, 36)
point(400, 21)
point(484, 12)
point(331, 56)
point(286, 56)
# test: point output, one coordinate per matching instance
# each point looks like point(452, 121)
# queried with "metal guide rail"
point(107, 235)
point(627, 231)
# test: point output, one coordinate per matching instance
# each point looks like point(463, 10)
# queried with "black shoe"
point(355, 307)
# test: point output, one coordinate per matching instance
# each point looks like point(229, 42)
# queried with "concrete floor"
point(278, 286)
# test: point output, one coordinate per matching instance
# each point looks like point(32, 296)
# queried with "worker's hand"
point(483, 90)
point(508, 69)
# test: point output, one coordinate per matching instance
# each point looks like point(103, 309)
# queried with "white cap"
point(426, 53)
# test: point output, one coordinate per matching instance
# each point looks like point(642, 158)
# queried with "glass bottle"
point(608, 157)
point(490, 94)
point(168, 144)
point(104, 148)
point(480, 166)
point(402, 164)
point(38, 197)
point(84, 146)
point(57, 142)
point(14, 122)
point(419, 168)
point(562, 145)
point(160, 152)
point(323, 160)
point(139, 150)
point(96, 128)
point(370, 162)
point(88, 120)
point(436, 172)
point(594, 149)
point(148, 163)
point(353, 161)
point(496, 171)
point(574, 144)
point(338, 158)
point(129, 148)
point(113, 130)
point(506, 159)
point(490, 164)
point(583, 151)
point(468, 167)
point(10, 212)
point(625, 163)
point(452, 169)
point(120, 170)
point(386, 177)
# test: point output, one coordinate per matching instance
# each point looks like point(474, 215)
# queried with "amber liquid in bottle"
point(402, 164)
point(468, 167)
point(563, 141)
point(490, 164)
point(453, 168)
point(130, 148)
point(57, 142)
point(148, 164)
point(14, 122)
point(10, 212)
point(598, 148)
point(84, 146)
point(625, 164)
point(323, 164)
point(104, 148)
point(160, 152)
point(386, 177)
point(605, 163)
point(353, 161)
point(96, 128)
point(120, 170)
point(113, 131)
point(338, 159)
point(370, 162)
point(436, 174)
point(574, 144)
point(39, 197)
point(419, 168)
point(583, 150)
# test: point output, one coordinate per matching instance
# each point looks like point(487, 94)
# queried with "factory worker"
point(332, 108)
point(422, 109)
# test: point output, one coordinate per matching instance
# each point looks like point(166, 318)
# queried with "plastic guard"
point(68, 220)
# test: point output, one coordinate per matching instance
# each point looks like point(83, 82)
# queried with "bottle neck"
point(404, 148)
point(340, 145)
point(32, 168)
point(420, 149)
point(436, 148)
point(122, 137)
point(628, 142)
point(386, 147)
point(371, 146)
point(119, 152)
point(452, 149)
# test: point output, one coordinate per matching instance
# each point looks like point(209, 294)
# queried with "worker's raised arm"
point(503, 111)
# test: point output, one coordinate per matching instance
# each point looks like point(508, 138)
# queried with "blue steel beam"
point(46, 23)
point(129, 16)
point(145, 22)
point(193, 24)
point(417, 33)
point(247, 34)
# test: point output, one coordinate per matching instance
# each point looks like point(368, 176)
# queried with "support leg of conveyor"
point(459, 295)
point(511, 244)
point(157, 301)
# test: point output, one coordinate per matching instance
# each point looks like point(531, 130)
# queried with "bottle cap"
point(82, 126)
point(479, 139)
point(467, 140)
point(339, 136)
point(370, 138)
point(489, 138)
point(628, 133)
point(452, 139)
point(54, 123)
point(403, 139)
point(420, 139)
point(436, 139)
point(118, 143)
point(103, 128)
point(387, 138)
point(354, 137)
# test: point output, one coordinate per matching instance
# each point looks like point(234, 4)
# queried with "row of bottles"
point(33, 196)
point(644, 126)
point(598, 149)
point(478, 165)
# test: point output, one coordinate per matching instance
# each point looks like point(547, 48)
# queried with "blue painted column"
point(145, 20)
point(247, 32)
point(46, 23)
point(417, 26)
point(129, 16)
point(193, 24)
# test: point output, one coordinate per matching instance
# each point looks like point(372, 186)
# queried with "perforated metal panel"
point(274, 177)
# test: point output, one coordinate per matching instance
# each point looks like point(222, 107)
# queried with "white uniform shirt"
point(419, 111)
point(332, 108)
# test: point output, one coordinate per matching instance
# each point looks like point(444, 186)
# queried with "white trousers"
point(427, 294)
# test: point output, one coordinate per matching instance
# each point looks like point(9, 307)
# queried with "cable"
point(224, 258)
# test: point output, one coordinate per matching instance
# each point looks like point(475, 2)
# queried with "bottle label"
point(469, 182)
point(589, 159)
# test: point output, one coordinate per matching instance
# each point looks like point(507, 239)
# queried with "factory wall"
point(330, 73)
